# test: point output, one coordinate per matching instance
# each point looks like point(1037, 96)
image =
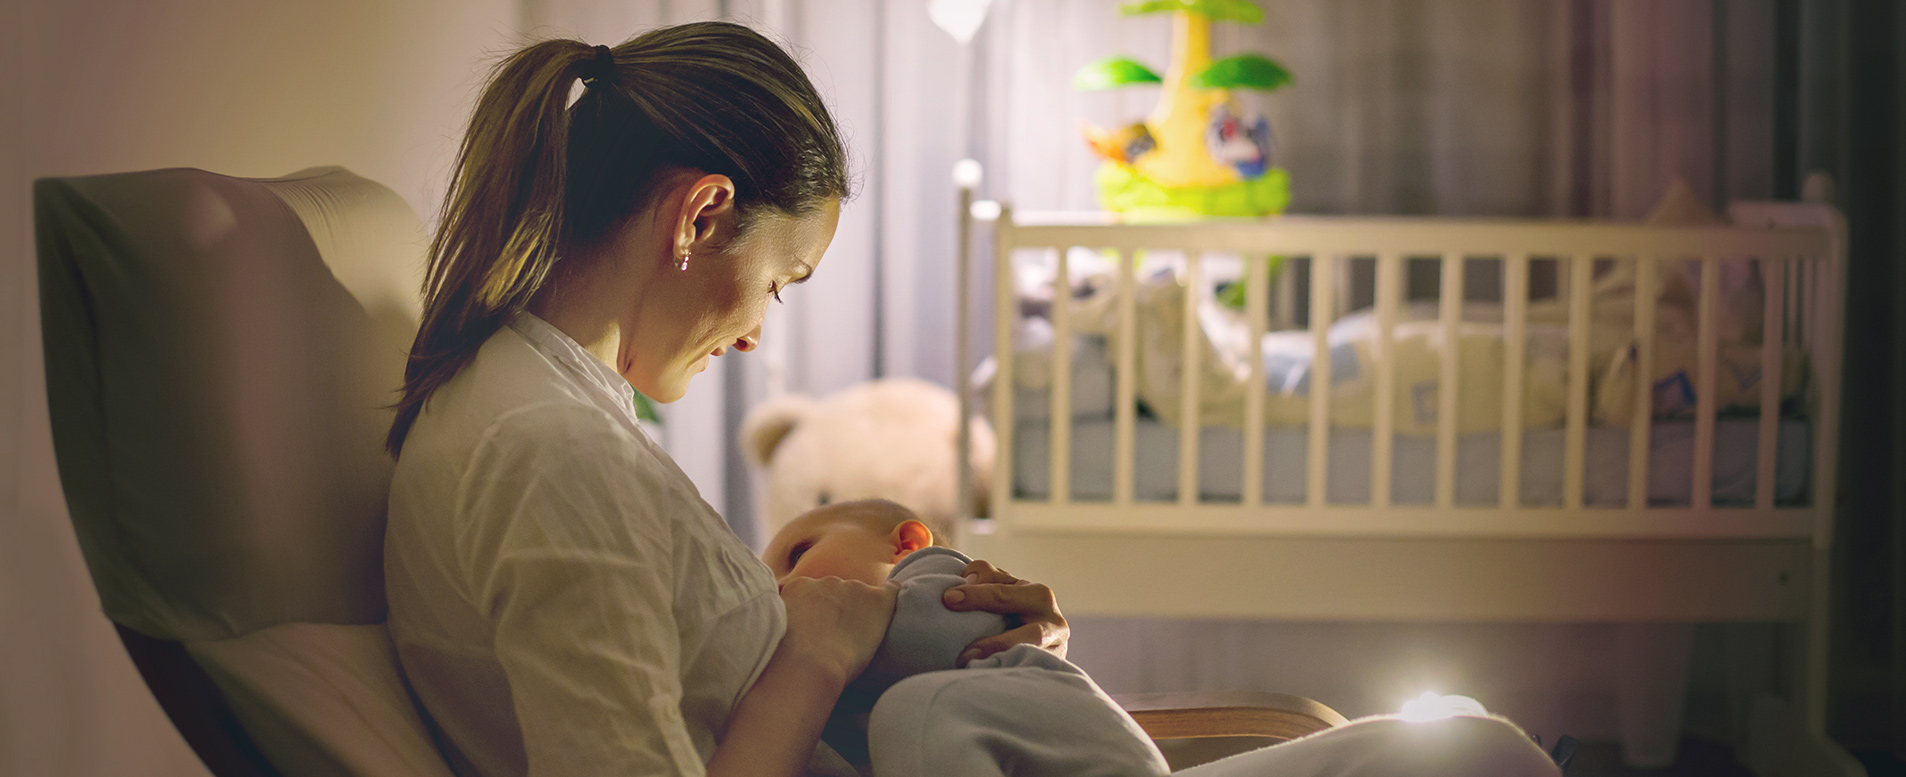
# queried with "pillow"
point(323, 700)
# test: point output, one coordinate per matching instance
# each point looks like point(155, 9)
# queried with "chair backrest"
point(216, 390)
point(220, 356)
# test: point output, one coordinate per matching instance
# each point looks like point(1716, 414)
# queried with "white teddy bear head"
point(892, 439)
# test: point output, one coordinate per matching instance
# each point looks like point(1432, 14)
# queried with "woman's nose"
point(749, 341)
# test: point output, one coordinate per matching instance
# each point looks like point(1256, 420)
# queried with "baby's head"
point(859, 540)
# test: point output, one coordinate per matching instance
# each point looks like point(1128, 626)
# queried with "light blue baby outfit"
point(1025, 712)
point(1022, 711)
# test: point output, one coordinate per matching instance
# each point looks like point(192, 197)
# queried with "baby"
point(1023, 710)
point(1029, 713)
point(876, 541)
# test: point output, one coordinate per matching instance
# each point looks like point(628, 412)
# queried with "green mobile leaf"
point(1245, 71)
point(645, 409)
point(1240, 11)
point(1113, 73)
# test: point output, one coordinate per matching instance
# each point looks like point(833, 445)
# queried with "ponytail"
point(501, 218)
point(536, 177)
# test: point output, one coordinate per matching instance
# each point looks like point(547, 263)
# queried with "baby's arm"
point(925, 636)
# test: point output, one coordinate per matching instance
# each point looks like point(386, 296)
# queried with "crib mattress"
point(1478, 464)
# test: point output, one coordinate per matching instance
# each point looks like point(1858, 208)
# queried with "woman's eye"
point(795, 554)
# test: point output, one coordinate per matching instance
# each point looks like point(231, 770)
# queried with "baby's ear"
point(769, 423)
point(908, 537)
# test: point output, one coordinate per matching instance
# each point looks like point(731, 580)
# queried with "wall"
point(236, 86)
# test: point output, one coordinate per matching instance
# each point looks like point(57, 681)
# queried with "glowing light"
point(966, 174)
point(959, 18)
point(1434, 706)
point(985, 210)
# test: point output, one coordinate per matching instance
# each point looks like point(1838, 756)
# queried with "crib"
point(1410, 542)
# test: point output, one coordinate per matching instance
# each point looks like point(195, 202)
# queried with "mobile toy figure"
point(1199, 153)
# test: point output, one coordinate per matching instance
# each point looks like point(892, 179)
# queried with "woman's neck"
point(596, 295)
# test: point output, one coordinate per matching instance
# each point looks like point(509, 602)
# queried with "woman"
point(562, 600)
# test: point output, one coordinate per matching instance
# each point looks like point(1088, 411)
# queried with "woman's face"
point(689, 316)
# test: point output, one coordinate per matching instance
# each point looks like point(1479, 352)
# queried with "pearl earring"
point(681, 261)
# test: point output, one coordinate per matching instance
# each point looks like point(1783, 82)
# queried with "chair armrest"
point(1194, 715)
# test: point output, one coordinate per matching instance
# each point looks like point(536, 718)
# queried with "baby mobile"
point(1200, 153)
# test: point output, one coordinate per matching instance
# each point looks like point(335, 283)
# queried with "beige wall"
point(243, 87)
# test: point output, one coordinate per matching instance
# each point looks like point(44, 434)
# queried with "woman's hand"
point(836, 624)
point(1030, 604)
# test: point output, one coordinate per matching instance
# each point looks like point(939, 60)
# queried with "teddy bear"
point(893, 438)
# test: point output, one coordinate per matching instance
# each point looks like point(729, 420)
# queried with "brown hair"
point(536, 177)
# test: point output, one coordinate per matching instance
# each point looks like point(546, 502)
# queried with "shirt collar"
point(552, 342)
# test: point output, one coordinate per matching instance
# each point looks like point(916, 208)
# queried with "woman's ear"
point(908, 537)
point(708, 210)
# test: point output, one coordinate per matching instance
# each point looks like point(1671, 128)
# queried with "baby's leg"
point(1386, 746)
point(1028, 714)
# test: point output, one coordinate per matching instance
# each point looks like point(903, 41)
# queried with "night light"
point(1434, 706)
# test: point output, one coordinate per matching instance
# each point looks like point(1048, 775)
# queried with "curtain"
point(1851, 116)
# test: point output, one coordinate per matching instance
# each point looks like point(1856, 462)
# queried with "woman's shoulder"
point(514, 402)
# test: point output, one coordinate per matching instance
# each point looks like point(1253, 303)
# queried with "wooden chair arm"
point(1196, 715)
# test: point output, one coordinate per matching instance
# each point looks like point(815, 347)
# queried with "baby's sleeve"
point(567, 556)
point(925, 636)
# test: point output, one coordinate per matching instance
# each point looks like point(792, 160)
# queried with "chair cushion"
point(220, 353)
point(323, 701)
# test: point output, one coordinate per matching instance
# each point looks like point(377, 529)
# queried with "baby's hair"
point(882, 516)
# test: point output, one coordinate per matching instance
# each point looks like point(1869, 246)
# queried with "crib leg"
point(1652, 690)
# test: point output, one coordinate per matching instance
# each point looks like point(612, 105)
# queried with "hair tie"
point(601, 67)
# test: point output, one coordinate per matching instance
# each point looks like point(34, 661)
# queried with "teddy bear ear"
point(769, 423)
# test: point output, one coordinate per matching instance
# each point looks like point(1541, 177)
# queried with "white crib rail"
point(1799, 265)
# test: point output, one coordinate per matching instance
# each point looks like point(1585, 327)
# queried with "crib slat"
point(1125, 414)
point(1192, 360)
point(1515, 309)
point(1448, 382)
point(1256, 277)
point(1640, 422)
point(1791, 271)
point(1345, 284)
point(1061, 420)
point(1005, 320)
point(1803, 302)
point(1575, 442)
point(1773, 273)
point(1317, 464)
point(1707, 360)
point(1383, 421)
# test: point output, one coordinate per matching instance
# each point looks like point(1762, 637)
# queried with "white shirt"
point(562, 600)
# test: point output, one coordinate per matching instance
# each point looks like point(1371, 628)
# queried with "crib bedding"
point(1417, 343)
point(1478, 469)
